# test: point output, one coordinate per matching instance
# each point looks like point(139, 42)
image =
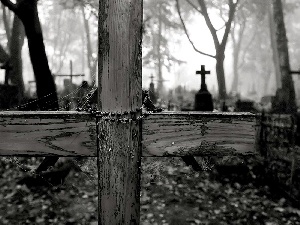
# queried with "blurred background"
point(178, 39)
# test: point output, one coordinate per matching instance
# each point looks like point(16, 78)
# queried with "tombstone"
point(203, 99)
point(152, 93)
point(244, 106)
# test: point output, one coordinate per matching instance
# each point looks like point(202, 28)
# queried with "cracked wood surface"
point(164, 134)
point(47, 133)
point(199, 134)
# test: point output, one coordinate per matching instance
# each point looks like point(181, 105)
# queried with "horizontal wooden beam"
point(199, 134)
point(47, 133)
point(164, 134)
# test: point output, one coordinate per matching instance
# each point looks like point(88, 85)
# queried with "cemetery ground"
point(171, 193)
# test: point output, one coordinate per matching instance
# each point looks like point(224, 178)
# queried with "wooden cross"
point(203, 72)
point(68, 75)
point(71, 75)
point(120, 134)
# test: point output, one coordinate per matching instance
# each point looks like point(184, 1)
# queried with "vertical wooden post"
point(120, 91)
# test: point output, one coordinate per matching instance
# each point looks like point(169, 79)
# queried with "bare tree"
point(15, 71)
point(27, 12)
point(13, 61)
point(6, 22)
point(220, 45)
point(273, 45)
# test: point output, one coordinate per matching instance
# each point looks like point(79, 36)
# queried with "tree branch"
point(208, 23)
point(6, 24)
point(221, 27)
point(232, 9)
point(194, 6)
point(221, 15)
point(13, 7)
point(186, 33)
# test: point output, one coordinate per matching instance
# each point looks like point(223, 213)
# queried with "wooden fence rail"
point(163, 134)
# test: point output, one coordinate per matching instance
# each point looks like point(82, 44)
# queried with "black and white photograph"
point(150, 112)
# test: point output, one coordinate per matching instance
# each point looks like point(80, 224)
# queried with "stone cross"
point(202, 72)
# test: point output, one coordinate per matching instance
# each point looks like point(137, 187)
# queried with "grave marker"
point(152, 93)
point(71, 75)
point(203, 99)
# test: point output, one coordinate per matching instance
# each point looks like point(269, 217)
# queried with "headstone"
point(152, 94)
point(244, 106)
point(203, 99)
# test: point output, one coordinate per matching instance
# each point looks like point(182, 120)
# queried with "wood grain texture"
point(120, 75)
point(164, 134)
point(47, 133)
point(199, 134)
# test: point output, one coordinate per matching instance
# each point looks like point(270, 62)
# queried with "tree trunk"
point(15, 73)
point(220, 45)
point(274, 47)
point(285, 95)
point(46, 89)
point(90, 59)
point(235, 81)
point(221, 76)
point(6, 25)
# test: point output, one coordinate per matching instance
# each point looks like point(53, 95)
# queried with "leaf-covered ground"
point(171, 194)
point(182, 196)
